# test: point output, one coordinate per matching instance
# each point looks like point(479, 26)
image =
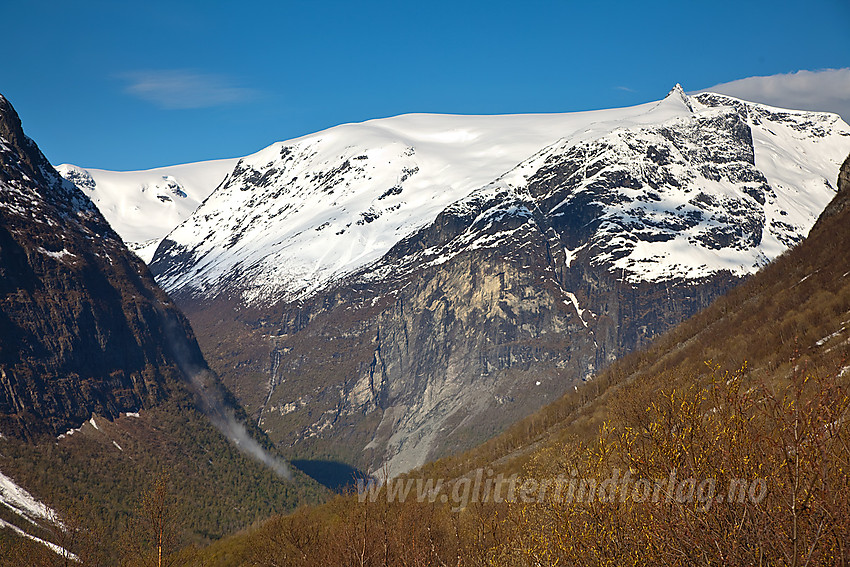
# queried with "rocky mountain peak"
point(31, 184)
point(29, 160)
point(418, 282)
point(677, 95)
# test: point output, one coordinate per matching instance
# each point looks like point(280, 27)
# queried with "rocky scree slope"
point(380, 316)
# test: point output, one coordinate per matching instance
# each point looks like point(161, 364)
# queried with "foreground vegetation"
point(99, 477)
point(794, 441)
point(791, 446)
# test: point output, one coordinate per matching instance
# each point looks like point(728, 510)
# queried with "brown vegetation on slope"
point(770, 409)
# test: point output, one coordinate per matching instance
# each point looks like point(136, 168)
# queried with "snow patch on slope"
point(60, 551)
point(23, 503)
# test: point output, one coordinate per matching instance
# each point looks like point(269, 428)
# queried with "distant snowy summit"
point(683, 187)
point(144, 206)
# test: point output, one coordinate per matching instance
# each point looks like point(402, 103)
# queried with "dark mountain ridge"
point(103, 388)
point(83, 325)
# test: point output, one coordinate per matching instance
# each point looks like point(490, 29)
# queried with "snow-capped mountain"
point(724, 186)
point(300, 214)
point(391, 291)
point(144, 206)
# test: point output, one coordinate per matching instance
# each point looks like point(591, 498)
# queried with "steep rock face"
point(83, 327)
point(842, 199)
point(404, 371)
point(506, 297)
point(844, 176)
point(519, 291)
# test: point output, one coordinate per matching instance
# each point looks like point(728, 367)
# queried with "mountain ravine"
point(414, 339)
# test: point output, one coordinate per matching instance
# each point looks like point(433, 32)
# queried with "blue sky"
point(132, 85)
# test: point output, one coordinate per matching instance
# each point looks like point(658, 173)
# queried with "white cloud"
point(826, 90)
point(177, 88)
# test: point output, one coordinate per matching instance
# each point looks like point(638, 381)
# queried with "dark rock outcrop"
point(842, 198)
point(83, 326)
